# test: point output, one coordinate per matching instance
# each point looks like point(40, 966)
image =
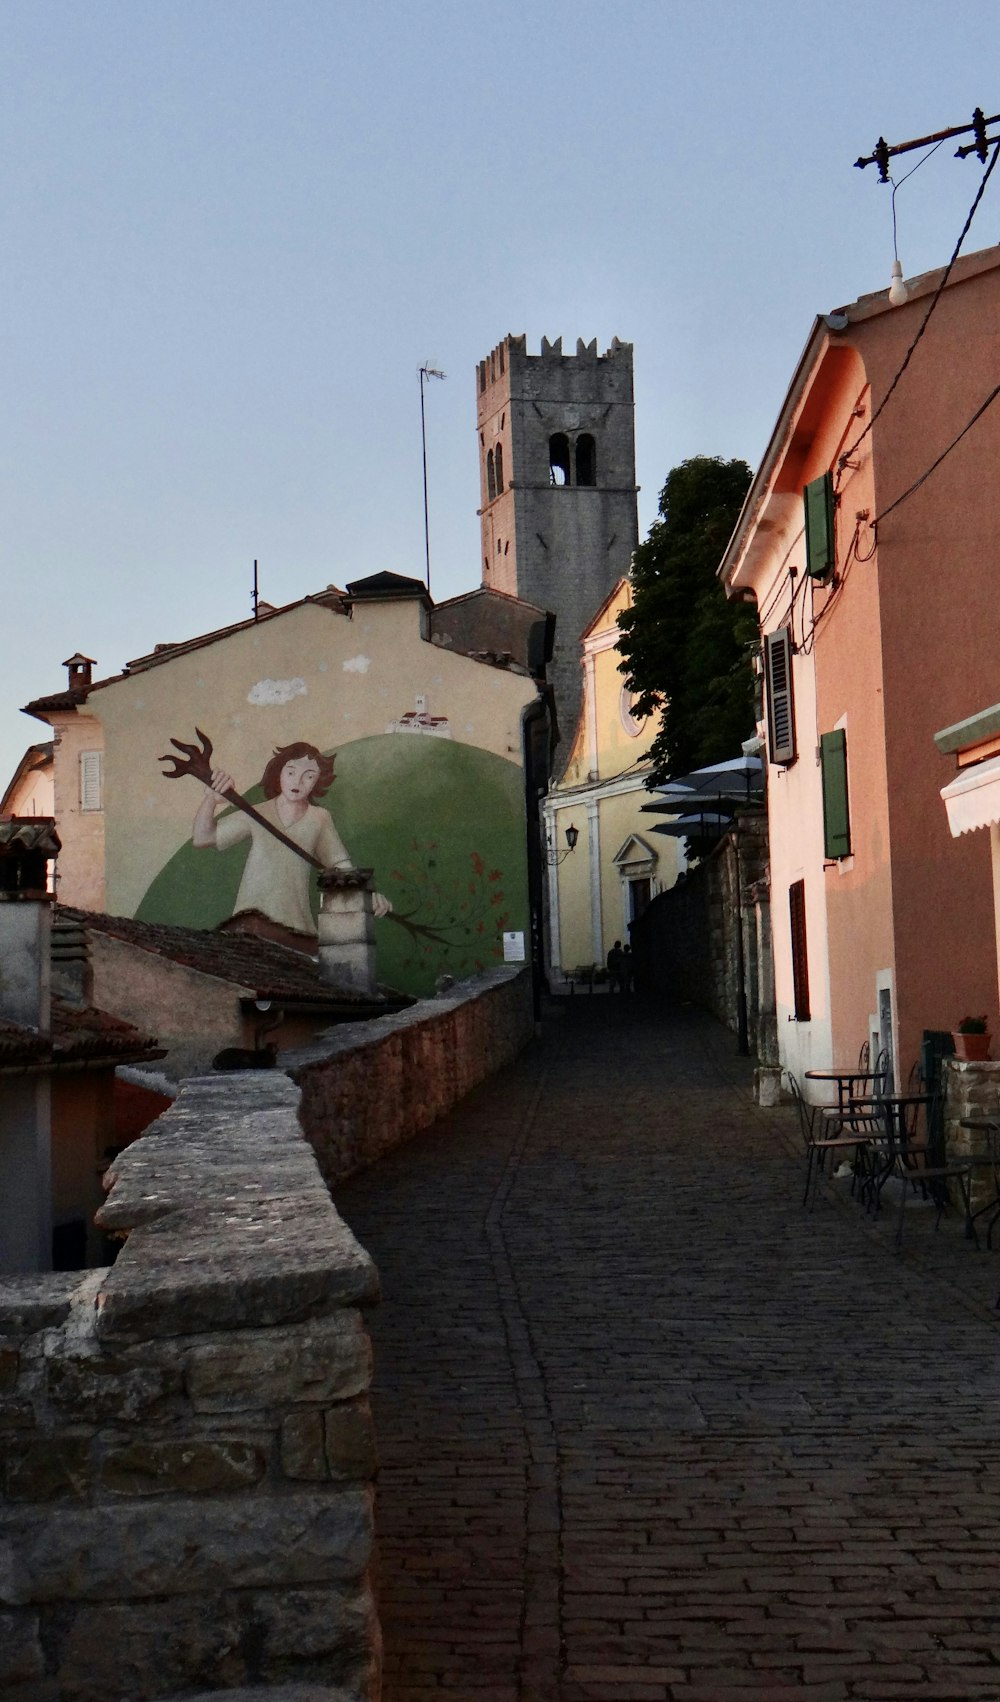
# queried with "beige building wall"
point(79, 735)
point(601, 793)
point(307, 673)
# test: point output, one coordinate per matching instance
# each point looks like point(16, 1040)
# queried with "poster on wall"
point(440, 823)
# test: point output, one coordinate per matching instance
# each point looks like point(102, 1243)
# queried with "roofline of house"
point(825, 328)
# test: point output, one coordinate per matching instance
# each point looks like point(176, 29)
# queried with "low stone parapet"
point(367, 1087)
point(186, 1440)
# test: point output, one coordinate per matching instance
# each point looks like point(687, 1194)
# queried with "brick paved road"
point(650, 1433)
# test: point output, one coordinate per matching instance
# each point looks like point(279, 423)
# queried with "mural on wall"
point(441, 824)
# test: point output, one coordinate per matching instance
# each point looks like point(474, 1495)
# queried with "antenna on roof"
point(256, 594)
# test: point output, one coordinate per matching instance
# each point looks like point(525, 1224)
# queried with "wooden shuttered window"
point(836, 812)
point(821, 554)
point(778, 685)
point(90, 780)
point(800, 958)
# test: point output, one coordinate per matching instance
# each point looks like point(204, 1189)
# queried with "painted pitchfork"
point(199, 764)
point(197, 761)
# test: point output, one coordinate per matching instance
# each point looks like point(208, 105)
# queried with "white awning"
point(973, 798)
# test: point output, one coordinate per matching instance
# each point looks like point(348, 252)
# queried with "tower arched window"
point(498, 462)
point(491, 480)
point(559, 459)
point(586, 460)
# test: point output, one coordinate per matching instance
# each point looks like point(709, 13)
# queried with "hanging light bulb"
point(897, 289)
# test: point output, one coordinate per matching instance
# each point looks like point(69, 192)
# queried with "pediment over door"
point(635, 858)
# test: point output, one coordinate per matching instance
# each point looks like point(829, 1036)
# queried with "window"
point(800, 960)
point(559, 459)
point(821, 554)
point(586, 460)
point(836, 813)
point(632, 723)
point(780, 706)
point(491, 480)
point(90, 780)
point(498, 463)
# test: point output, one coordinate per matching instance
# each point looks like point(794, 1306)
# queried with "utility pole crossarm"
point(883, 153)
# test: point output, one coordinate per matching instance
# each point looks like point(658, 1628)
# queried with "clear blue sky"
point(232, 230)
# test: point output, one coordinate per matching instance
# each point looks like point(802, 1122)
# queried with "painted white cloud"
point(273, 692)
point(357, 665)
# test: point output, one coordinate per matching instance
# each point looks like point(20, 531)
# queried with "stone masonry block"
point(100, 1385)
point(191, 1467)
point(273, 1261)
point(295, 1626)
point(152, 1548)
point(302, 1449)
point(46, 1466)
point(136, 1650)
point(21, 1656)
point(326, 1360)
point(9, 1361)
point(16, 1415)
point(350, 1441)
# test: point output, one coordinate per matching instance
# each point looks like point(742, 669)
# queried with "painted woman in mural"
point(275, 879)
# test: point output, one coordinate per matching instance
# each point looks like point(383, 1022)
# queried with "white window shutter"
point(780, 709)
point(90, 780)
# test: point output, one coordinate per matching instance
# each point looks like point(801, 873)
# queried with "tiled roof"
point(79, 1035)
point(330, 598)
point(270, 970)
point(31, 833)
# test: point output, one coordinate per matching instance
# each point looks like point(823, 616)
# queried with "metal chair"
point(818, 1139)
point(918, 1160)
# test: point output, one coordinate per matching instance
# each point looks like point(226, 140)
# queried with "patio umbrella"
point(693, 826)
point(740, 777)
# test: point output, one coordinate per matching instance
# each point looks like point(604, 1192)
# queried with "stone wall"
point(970, 1090)
point(185, 1439)
point(369, 1086)
point(686, 943)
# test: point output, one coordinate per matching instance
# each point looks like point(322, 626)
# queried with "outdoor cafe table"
point(843, 1080)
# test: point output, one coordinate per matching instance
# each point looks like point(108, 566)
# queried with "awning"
point(972, 799)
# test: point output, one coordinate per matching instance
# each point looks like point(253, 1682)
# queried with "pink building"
point(868, 540)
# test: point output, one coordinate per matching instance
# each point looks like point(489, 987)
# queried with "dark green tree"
point(686, 648)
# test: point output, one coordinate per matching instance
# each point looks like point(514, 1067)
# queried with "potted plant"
point(972, 1041)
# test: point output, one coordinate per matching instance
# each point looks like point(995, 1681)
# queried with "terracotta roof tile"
point(269, 970)
point(79, 1034)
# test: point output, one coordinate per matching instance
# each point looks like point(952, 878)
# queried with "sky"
point(231, 232)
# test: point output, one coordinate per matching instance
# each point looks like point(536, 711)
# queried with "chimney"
point(347, 930)
point(25, 921)
point(72, 974)
point(25, 1155)
point(81, 672)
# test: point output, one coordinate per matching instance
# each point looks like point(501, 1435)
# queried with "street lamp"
point(554, 856)
point(426, 371)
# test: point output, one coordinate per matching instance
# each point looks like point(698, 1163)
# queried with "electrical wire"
point(899, 185)
point(980, 411)
point(935, 298)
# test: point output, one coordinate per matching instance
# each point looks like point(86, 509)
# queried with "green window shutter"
point(821, 555)
point(836, 816)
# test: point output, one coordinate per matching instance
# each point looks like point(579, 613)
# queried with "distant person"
point(628, 970)
point(616, 968)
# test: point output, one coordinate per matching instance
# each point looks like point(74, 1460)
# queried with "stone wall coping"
point(37, 1302)
point(350, 1037)
point(230, 1223)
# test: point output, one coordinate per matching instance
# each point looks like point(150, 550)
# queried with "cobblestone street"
point(650, 1432)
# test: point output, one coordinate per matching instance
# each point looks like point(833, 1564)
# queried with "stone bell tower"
point(559, 516)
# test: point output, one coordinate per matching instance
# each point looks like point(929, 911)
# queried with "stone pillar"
point(347, 929)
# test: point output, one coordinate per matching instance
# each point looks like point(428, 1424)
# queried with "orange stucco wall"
point(938, 592)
